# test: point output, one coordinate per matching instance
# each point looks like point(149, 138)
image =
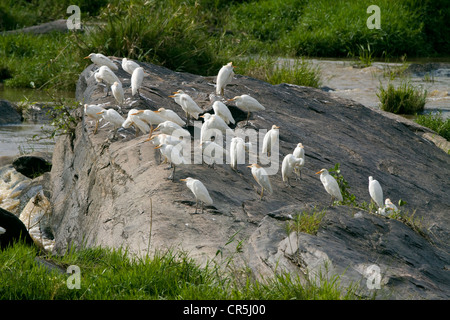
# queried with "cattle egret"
point(136, 80)
point(188, 104)
point(212, 122)
point(134, 119)
point(173, 155)
point(163, 138)
point(169, 127)
point(150, 117)
point(222, 111)
point(199, 190)
point(92, 111)
point(248, 104)
point(100, 60)
point(171, 116)
point(2, 230)
point(237, 151)
point(330, 184)
point(389, 206)
point(129, 65)
point(375, 191)
point(270, 140)
point(224, 77)
point(117, 92)
point(290, 162)
point(299, 152)
point(105, 75)
point(261, 177)
point(113, 117)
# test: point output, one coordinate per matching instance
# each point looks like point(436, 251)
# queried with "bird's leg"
point(96, 127)
point(262, 193)
point(248, 117)
point(173, 173)
point(196, 206)
point(202, 206)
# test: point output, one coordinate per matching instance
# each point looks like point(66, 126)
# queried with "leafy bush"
point(404, 99)
point(436, 122)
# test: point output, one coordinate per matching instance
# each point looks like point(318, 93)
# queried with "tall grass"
point(116, 274)
point(436, 122)
point(403, 99)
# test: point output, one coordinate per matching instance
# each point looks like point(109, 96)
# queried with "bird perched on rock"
point(261, 177)
point(270, 140)
point(117, 92)
point(290, 162)
point(105, 75)
point(113, 117)
point(248, 104)
point(92, 111)
point(100, 60)
point(237, 151)
point(211, 123)
point(171, 116)
point(330, 184)
point(222, 111)
point(150, 117)
point(389, 207)
point(200, 192)
point(375, 191)
point(212, 152)
point(134, 119)
point(136, 80)
point(188, 104)
point(224, 77)
point(169, 127)
point(129, 65)
point(173, 156)
point(299, 152)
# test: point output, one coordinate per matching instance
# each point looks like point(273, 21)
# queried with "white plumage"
point(290, 162)
point(375, 191)
point(330, 184)
point(169, 127)
point(136, 80)
point(2, 230)
point(150, 117)
point(113, 117)
point(261, 177)
point(188, 104)
point(389, 206)
point(270, 140)
point(117, 92)
point(224, 77)
point(248, 104)
point(129, 65)
point(237, 151)
point(173, 155)
point(212, 123)
point(100, 60)
point(299, 152)
point(222, 111)
point(199, 190)
point(92, 111)
point(134, 119)
point(212, 152)
point(171, 116)
point(105, 75)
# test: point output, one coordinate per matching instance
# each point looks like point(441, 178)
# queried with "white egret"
point(212, 152)
point(199, 190)
point(169, 127)
point(92, 110)
point(224, 77)
point(113, 117)
point(136, 80)
point(330, 184)
point(188, 104)
point(150, 117)
point(105, 75)
point(299, 152)
point(261, 177)
point(173, 156)
point(270, 140)
point(101, 60)
point(129, 65)
point(171, 116)
point(162, 138)
point(375, 191)
point(117, 92)
point(237, 152)
point(389, 206)
point(2, 230)
point(134, 119)
point(222, 111)
point(290, 162)
point(212, 122)
point(247, 104)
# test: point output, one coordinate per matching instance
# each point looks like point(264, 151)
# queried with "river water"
point(345, 81)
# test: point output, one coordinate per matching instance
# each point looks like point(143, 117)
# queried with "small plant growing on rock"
point(404, 99)
point(307, 222)
point(349, 198)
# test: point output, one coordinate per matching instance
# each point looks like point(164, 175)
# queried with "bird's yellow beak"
point(277, 127)
point(86, 57)
point(99, 112)
point(157, 147)
point(250, 166)
point(202, 116)
point(182, 179)
point(171, 96)
point(232, 99)
point(319, 172)
point(140, 111)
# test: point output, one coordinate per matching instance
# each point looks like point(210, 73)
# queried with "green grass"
point(116, 274)
point(403, 99)
point(306, 222)
point(436, 122)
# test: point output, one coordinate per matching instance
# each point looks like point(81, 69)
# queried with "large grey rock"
point(113, 192)
point(8, 113)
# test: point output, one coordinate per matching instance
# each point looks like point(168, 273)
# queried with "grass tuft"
point(403, 99)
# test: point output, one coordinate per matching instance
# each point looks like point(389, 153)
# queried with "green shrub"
point(436, 122)
point(403, 99)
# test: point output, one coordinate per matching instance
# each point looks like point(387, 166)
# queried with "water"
point(26, 137)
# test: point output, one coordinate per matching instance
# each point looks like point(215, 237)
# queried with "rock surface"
point(113, 192)
point(8, 113)
point(33, 164)
point(15, 230)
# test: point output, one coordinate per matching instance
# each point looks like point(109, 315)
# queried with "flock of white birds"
point(167, 121)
